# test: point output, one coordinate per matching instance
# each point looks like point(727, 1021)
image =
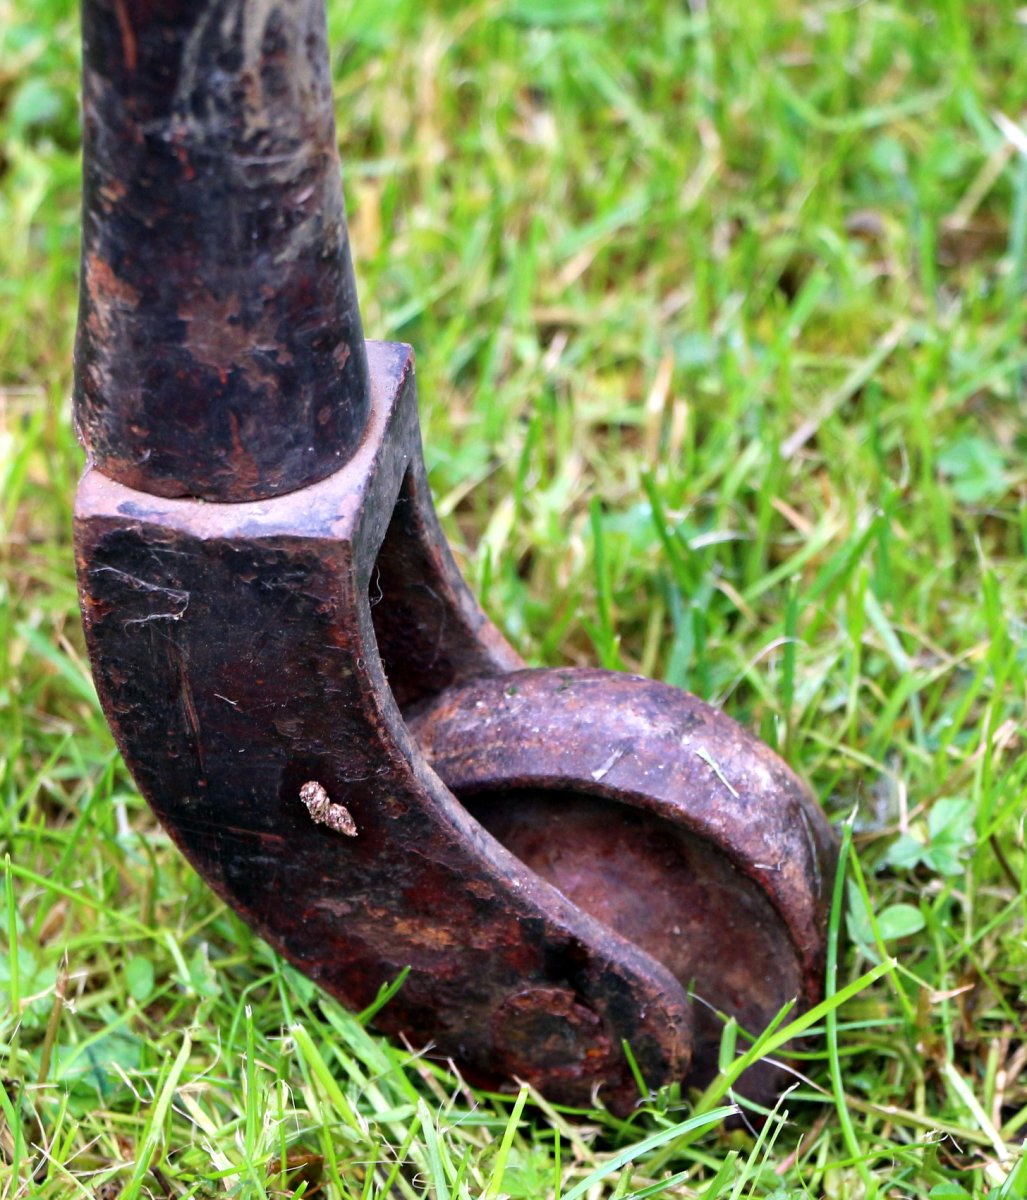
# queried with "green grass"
point(719, 315)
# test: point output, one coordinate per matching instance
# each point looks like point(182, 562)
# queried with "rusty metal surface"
point(660, 816)
point(220, 351)
point(235, 656)
point(300, 681)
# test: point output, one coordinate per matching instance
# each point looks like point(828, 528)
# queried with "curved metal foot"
point(235, 655)
point(292, 665)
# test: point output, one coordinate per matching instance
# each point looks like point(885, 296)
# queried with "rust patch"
point(111, 297)
point(130, 51)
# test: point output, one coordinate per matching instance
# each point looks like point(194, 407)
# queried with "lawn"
point(719, 314)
